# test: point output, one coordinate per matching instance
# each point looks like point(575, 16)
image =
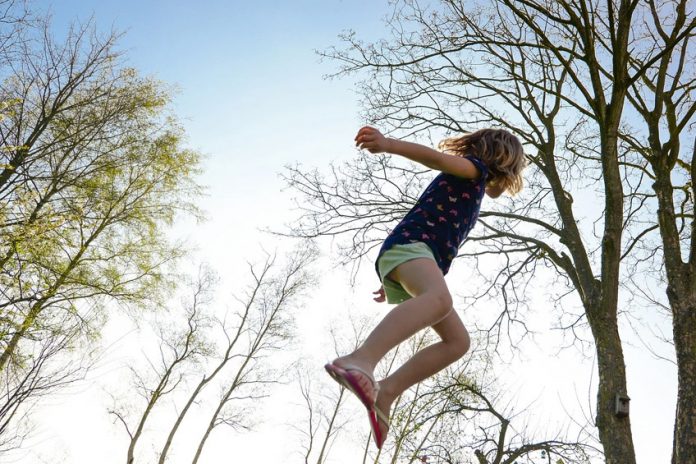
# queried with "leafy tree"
point(93, 170)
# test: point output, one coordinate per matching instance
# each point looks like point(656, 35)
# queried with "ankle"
point(386, 389)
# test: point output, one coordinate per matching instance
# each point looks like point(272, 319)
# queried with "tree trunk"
point(681, 293)
point(683, 303)
point(614, 432)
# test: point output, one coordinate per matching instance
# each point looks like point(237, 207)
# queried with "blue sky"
point(250, 90)
point(252, 97)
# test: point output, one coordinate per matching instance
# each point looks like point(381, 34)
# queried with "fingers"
point(362, 139)
point(366, 134)
point(366, 130)
point(372, 147)
point(381, 297)
point(371, 141)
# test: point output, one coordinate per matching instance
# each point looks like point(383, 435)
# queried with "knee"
point(442, 303)
point(461, 344)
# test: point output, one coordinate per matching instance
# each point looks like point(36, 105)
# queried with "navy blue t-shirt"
point(443, 216)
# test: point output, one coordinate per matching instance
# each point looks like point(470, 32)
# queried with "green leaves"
point(93, 171)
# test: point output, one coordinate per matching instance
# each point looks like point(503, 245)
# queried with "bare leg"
point(431, 305)
point(426, 363)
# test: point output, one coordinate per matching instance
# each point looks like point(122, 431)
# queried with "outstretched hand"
point(371, 139)
point(380, 298)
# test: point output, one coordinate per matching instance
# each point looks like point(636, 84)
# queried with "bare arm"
point(372, 140)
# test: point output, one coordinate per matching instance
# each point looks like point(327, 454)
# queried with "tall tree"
point(192, 361)
point(663, 96)
point(92, 171)
point(558, 74)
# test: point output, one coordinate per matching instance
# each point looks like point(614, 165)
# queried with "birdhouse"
point(621, 405)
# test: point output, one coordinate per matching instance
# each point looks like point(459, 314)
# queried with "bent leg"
point(426, 363)
point(431, 302)
point(432, 359)
point(431, 305)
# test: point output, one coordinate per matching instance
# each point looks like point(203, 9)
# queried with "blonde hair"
point(498, 149)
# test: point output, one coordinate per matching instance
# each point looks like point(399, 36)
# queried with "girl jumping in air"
point(416, 256)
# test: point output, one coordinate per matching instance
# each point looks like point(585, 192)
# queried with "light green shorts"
point(399, 254)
